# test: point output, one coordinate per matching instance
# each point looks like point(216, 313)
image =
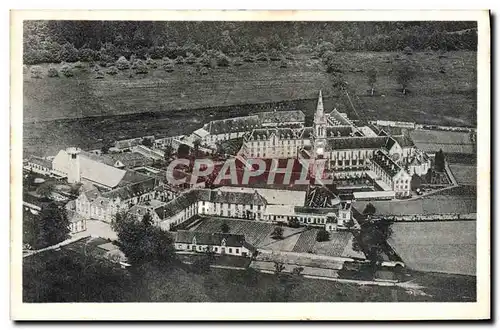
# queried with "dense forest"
point(106, 41)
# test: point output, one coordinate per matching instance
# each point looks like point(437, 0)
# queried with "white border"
point(256, 311)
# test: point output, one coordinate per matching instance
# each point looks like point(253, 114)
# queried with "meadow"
point(442, 92)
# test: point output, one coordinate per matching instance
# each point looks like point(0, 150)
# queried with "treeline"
point(70, 41)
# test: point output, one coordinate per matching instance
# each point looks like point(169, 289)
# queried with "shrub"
point(238, 62)
point(322, 236)
point(407, 50)
point(152, 63)
point(112, 70)
point(262, 57)
point(36, 71)
point(248, 58)
point(206, 61)
point(179, 60)
point(168, 66)
point(204, 70)
point(52, 72)
point(99, 75)
point(122, 63)
point(277, 233)
point(67, 70)
point(190, 59)
point(283, 64)
point(222, 60)
point(78, 65)
point(25, 69)
point(68, 53)
point(140, 67)
point(274, 55)
point(87, 55)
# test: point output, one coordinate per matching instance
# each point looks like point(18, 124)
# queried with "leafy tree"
point(142, 243)
point(416, 182)
point(122, 63)
point(372, 239)
point(67, 70)
point(168, 65)
point(439, 161)
point(224, 228)
point(31, 230)
point(369, 209)
point(99, 75)
point(112, 70)
point(168, 152)
point(46, 189)
point(140, 67)
point(277, 233)
point(183, 151)
point(407, 50)
point(238, 62)
point(78, 65)
point(87, 55)
point(52, 72)
point(54, 225)
point(68, 53)
point(36, 71)
point(297, 271)
point(279, 267)
point(322, 235)
point(204, 71)
point(190, 59)
point(404, 75)
point(262, 57)
point(147, 220)
point(294, 222)
point(179, 60)
point(372, 78)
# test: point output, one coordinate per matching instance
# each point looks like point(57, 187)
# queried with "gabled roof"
point(131, 190)
point(90, 191)
point(132, 159)
point(98, 158)
point(336, 131)
point(237, 124)
point(100, 173)
point(335, 118)
point(203, 238)
point(281, 117)
point(404, 141)
point(356, 142)
point(386, 163)
point(40, 161)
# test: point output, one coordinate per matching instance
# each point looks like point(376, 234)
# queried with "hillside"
point(443, 90)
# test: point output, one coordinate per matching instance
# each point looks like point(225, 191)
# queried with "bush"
point(112, 70)
point(238, 62)
point(407, 50)
point(262, 57)
point(152, 63)
point(36, 71)
point(283, 64)
point(190, 59)
point(78, 65)
point(222, 60)
point(168, 66)
point(140, 67)
point(322, 236)
point(207, 62)
point(204, 70)
point(68, 53)
point(52, 72)
point(274, 55)
point(179, 60)
point(25, 69)
point(122, 63)
point(248, 58)
point(67, 70)
point(277, 233)
point(87, 55)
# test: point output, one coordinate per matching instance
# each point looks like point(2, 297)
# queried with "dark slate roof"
point(132, 177)
point(281, 117)
point(203, 238)
point(281, 133)
point(319, 196)
point(237, 197)
point(231, 125)
point(98, 158)
point(356, 142)
point(335, 131)
point(306, 133)
point(314, 210)
point(41, 161)
point(390, 143)
point(132, 159)
point(336, 118)
point(131, 190)
point(387, 164)
point(404, 140)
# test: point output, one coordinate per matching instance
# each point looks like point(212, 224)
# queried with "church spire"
point(319, 108)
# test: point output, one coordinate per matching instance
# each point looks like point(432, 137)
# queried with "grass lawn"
point(446, 247)
point(464, 174)
point(70, 276)
point(434, 97)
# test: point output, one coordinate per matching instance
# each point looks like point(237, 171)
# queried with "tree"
point(183, 151)
point(277, 233)
point(168, 65)
point(407, 50)
point(46, 189)
point(404, 74)
point(369, 209)
point(99, 75)
point(52, 72)
point(196, 147)
point(31, 230)
point(262, 57)
point(222, 60)
point(36, 71)
point(294, 222)
point(112, 70)
point(67, 70)
point(140, 67)
point(147, 219)
point(54, 225)
point(122, 63)
point(148, 142)
point(416, 182)
point(106, 146)
point(179, 60)
point(142, 243)
point(372, 239)
point(322, 235)
point(224, 228)
point(439, 161)
point(279, 267)
point(372, 78)
point(68, 53)
point(168, 152)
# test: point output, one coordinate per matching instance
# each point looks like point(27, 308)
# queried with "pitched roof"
point(404, 140)
point(40, 161)
point(100, 173)
point(292, 116)
point(132, 159)
point(335, 131)
point(237, 197)
point(98, 158)
point(335, 118)
point(237, 124)
point(356, 142)
point(128, 143)
point(203, 238)
point(386, 163)
point(90, 191)
point(131, 190)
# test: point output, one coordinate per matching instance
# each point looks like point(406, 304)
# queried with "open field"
point(435, 97)
point(450, 142)
point(464, 174)
point(447, 247)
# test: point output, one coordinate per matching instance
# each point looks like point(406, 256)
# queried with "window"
point(230, 250)
point(238, 251)
point(216, 249)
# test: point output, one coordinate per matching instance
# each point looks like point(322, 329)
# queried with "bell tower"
point(73, 165)
point(319, 134)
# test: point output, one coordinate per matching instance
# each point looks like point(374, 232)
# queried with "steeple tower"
point(319, 127)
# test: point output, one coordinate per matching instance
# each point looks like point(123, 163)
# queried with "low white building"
point(219, 243)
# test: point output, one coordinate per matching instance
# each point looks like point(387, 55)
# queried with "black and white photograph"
point(176, 159)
